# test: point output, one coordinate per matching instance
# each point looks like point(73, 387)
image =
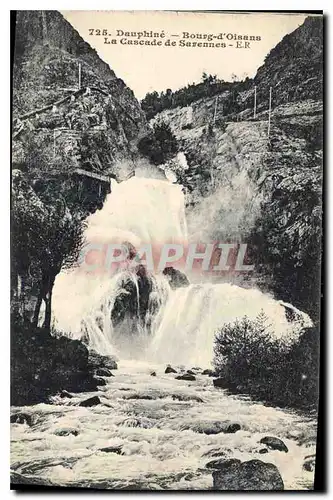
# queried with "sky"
point(148, 68)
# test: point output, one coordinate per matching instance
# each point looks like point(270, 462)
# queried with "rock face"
point(274, 443)
point(102, 121)
point(254, 475)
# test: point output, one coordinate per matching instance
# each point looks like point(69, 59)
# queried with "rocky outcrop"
point(98, 122)
point(274, 443)
point(43, 365)
point(255, 475)
point(176, 278)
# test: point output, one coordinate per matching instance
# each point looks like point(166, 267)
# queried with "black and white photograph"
point(166, 250)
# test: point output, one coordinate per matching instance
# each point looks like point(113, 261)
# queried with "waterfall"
point(178, 326)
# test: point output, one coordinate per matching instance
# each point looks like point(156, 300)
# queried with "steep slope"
point(262, 185)
point(67, 103)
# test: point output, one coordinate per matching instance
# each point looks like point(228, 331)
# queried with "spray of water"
point(178, 325)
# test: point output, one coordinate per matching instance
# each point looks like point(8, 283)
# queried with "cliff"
point(69, 108)
point(251, 183)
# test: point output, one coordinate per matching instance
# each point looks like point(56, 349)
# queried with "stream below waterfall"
point(156, 426)
point(153, 424)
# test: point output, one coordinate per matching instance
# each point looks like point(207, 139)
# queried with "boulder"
point(209, 372)
point(91, 401)
point(112, 449)
point(21, 418)
point(215, 427)
point(220, 382)
point(100, 381)
point(176, 278)
point(104, 372)
point(99, 360)
point(253, 475)
point(274, 443)
point(262, 451)
point(190, 372)
point(66, 432)
point(153, 374)
point(222, 463)
point(186, 376)
point(169, 369)
point(65, 394)
point(309, 463)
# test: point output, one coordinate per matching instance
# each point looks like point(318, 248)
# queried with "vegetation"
point(209, 86)
point(251, 360)
point(160, 145)
point(45, 237)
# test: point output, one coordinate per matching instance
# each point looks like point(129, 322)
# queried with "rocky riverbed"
point(147, 429)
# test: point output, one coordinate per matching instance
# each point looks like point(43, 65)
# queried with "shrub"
point(250, 359)
point(160, 146)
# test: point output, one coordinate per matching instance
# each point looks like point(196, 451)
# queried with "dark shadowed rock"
point(186, 376)
point(104, 372)
point(223, 463)
point(100, 381)
point(21, 418)
point(310, 463)
point(66, 432)
point(176, 278)
point(274, 443)
point(263, 451)
point(220, 382)
point(190, 372)
point(253, 475)
point(91, 401)
point(214, 427)
point(169, 369)
point(112, 449)
point(209, 372)
point(153, 374)
point(65, 394)
point(98, 360)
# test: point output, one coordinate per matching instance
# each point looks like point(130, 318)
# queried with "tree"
point(160, 146)
point(46, 238)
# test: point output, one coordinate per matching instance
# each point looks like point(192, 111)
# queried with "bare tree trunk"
point(48, 302)
point(37, 309)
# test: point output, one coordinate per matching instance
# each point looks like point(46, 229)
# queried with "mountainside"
point(67, 103)
point(262, 183)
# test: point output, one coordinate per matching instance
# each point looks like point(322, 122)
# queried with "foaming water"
point(155, 427)
point(179, 325)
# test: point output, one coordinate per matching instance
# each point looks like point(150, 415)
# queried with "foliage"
point(160, 146)
point(46, 236)
point(250, 359)
point(209, 86)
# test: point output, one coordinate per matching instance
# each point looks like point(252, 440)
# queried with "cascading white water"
point(142, 211)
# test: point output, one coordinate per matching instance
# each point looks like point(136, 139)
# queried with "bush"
point(160, 146)
point(251, 360)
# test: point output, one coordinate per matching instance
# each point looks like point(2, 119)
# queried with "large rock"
point(176, 278)
point(186, 376)
point(169, 369)
point(220, 382)
point(104, 372)
point(254, 475)
point(274, 443)
point(93, 401)
point(97, 360)
point(215, 427)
